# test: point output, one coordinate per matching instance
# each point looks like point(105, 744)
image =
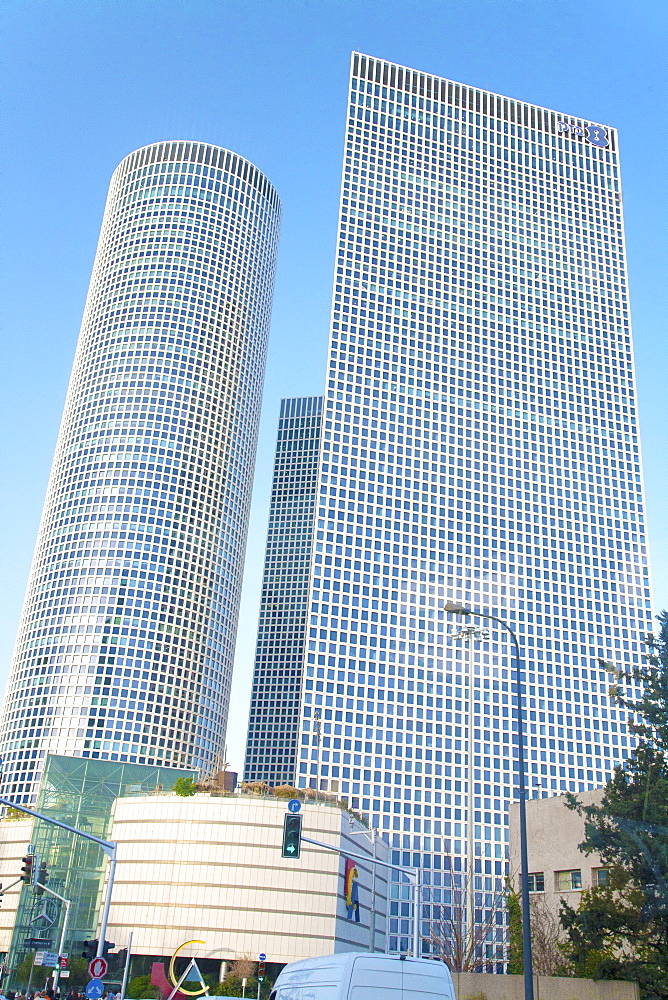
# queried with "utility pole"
point(318, 728)
point(458, 609)
point(126, 970)
point(61, 946)
point(469, 634)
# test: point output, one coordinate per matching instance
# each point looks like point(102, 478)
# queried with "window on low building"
point(568, 880)
point(599, 876)
point(536, 882)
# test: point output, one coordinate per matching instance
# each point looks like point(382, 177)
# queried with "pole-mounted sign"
point(97, 968)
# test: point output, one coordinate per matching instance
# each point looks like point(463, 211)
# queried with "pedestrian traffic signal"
point(292, 835)
point(41, 879)
point(90, 950)
point(27, 867)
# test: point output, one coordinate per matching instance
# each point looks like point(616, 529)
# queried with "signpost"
point(261, 971)
point(97, 967)
point(47, 958)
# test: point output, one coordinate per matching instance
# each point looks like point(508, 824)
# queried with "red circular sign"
point(97, 968)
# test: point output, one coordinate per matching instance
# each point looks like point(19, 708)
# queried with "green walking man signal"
point(292, 835)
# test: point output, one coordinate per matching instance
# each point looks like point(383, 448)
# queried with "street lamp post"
point(317, 725)
point(469, 634)
point(458, 609)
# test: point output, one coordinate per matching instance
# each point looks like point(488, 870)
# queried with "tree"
point(141, 988)
point(516, 953)
point(546, 951)
point(22, 973)
point(478, 948)
point(546, 933)
point(78, 969)
point(620, 929)
point(185, 786)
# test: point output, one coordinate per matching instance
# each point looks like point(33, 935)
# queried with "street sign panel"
point(294, 805)
point(97, 968)
point(64, 973)
point(39, 958)
point(95, 989)
point(50, 958)
point(262, 957)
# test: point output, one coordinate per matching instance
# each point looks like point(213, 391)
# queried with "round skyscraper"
point(125, 645)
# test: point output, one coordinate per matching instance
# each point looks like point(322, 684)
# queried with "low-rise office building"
point(558, 869)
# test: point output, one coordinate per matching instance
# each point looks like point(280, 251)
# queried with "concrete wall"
point(15, 835)
point(475, 985)
point(210, 867)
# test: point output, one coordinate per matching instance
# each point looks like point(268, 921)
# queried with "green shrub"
point(185, 786)
point(140, 988)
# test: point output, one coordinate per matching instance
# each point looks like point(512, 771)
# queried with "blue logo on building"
point(595, 134)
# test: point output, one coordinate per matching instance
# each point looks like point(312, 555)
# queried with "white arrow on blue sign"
point(294, 805)
point(95, 989)
point(262, 957)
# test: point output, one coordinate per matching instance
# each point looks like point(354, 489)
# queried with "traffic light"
point(292, 835)
point(90, 950)
point(41, 879)
point(26, 868)
point(107, 947)
point(261, 971)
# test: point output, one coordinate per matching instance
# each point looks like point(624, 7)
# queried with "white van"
point(362, 976)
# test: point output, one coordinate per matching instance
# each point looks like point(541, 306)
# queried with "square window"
point(599, 876)
point(536, 882)
point(567, 881)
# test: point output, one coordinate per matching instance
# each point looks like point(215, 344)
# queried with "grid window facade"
point(126, 640)
point(271, 752)
point(479, 444)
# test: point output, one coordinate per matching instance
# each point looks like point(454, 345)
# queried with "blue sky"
point(84, 83)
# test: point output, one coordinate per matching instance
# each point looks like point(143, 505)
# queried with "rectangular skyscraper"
point(479, 444)
point(271, 753)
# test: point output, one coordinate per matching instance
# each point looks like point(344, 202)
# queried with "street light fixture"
point(458, 609)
